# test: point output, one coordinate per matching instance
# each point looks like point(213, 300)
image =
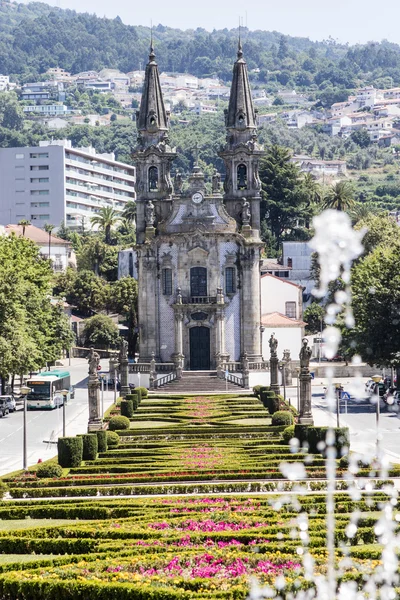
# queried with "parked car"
point(3, 407)
point(10, 400)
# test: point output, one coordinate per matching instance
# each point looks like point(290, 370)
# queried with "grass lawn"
point(6, 559)
point(19, 524)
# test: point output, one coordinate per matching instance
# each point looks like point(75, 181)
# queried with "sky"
point(353, 21)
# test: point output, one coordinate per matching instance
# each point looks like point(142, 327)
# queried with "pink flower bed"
point(186, 542)
point(207, 526)
point(203, 456)
point(207, 565)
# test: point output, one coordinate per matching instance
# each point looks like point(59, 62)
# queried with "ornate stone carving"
point(178, 182)
point(246, 212)
point(123, 352)
point(273, 345)
point(94, 360)
point(149, 213)
point(216, 181)
point(305, 355)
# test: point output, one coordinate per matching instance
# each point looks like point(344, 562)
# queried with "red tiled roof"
point(276, 319)
point(36, 235)
point(281, 279)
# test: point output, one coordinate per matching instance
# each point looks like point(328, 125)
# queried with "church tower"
point(198, 253)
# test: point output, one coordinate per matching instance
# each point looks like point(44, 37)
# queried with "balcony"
point(199, 300)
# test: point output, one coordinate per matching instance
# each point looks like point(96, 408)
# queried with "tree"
point(49, 228)
point(87, 293)
point(340, 197)
point(105, 219)
point(32, 330)
point(24, 224)
point(284, 198)
point(123, 300)
point(100, 331)
point(361, 138)
point(376, 303)
point(381, 230)
point(129, 212)
point(95, 255)
point(313, 316)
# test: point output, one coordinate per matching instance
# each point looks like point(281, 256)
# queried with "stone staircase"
point(199, 381)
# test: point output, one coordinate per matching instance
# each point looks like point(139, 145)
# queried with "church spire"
point(240, 114)
point(152, 119)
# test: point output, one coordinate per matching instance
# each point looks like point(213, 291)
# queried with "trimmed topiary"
point(112, 439)
point(301, 433)
point(127, 408)
point(117, 423)
point(90, 446)
point(288, 434)
point(282, 417)
point(144, 391)
point(135, 401)
point(138, 391)
point(70, 451)
point(316, 437)
point(50, 469)
point(257, 389)
point(272, 402)
point(101, 440)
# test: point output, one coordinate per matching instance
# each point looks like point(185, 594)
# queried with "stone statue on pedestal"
point(216, 181)
point(123, 352)
point(246, 212)
point(305, 414)
point(94, 360)
point(273, 344)
point(178, 183)
point(149, 213)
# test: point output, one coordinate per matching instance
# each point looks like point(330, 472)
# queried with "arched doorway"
point(199, 349)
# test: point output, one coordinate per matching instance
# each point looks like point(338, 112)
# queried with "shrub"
point(288, 434)
point(301, 433)
point(317, 435)
point(127, 408)
point(271, 401)
point(282, 417)
point(90, 446)
point(112, 439)
point(70, 451)
point(101, 440)
point(135, 401)
point(138, 391)
point(257, 389)
point(344, 462)
point(144, 391)
point(50, 469)
point(116, 423)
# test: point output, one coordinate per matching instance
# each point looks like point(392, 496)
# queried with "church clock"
point(197, 198)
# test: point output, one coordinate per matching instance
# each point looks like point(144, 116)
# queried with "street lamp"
point(338, 390)
point(24, 391)
point(64, 394)
point(377, 379)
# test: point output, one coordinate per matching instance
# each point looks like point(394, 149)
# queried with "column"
point(251, 303)
point(95, 421)
point(147, 304)
point(305, 414)
point(123, 366)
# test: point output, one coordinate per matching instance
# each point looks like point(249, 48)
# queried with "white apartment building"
point(55, 183)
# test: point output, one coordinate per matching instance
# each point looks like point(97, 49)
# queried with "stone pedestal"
point(305, 414)
point(95, 421)
point(273, 361)
point(123, 366)
point(287, 367)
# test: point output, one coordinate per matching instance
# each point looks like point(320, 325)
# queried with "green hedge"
point(90, 446)
point(135, 400)
point(101, 440)
point(282, 417)
point(316, 437)
point(49, 469)
point(70, 451)
point(119, 423)
point(144, 391)
point(112, 439)
point(138, 391)
point(288, 434)
point(127, 407)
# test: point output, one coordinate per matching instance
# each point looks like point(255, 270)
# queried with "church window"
point(153, 179)
point(290, 262)
point(198, 281)
point(242, 177)
point(230, 280)
point(167, 282)
point(290, 310)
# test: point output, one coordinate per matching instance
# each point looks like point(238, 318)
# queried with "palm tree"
point(362, 210)
point(106, 218)
point(340, 197)
point(129, 212)
point(49, 228)
point(23, 223)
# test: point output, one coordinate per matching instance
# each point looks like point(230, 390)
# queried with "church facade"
point(198, 253)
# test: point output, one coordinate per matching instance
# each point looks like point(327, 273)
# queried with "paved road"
point(46, 424)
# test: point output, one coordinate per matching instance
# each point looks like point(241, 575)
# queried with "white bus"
point(45, 389)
